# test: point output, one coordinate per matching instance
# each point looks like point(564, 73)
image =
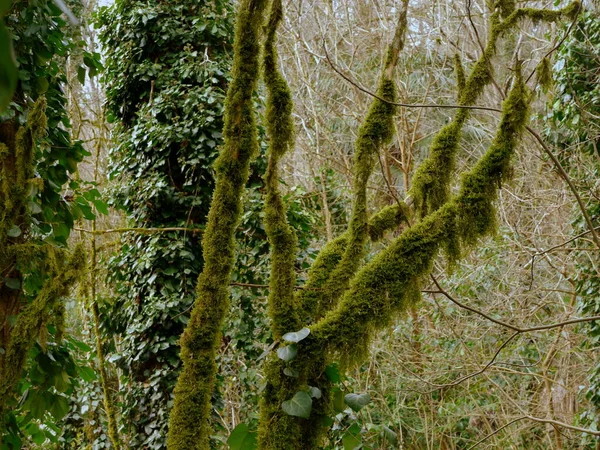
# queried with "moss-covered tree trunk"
point(189, 419)
point(24, 313)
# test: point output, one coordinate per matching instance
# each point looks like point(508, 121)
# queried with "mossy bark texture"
point(21, 254)
point(189, 419)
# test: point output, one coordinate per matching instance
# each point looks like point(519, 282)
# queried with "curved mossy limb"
point(282, 237)
point(188, 422)
point(384, 220)
point(431, 182)
point(390, 282)
point(376, 130)
point(277, 430)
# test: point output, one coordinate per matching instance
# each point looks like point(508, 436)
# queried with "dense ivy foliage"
point(39, 206)
point(576, 129)
point(166, 74)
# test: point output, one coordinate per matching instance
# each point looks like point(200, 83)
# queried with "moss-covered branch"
point(19, 254)
point(376, 130)
point(188, 423)
point(281, 235)
point(34, 317)
point(431, 183)
point(391, 281)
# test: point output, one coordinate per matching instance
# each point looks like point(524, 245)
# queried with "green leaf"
point(288, 352)
point(327, 421)
point(59, 407)
point(389, 435)
point(338, 400)
point(101, 206)
point(81, 75)
point(332, 372)
point(357, 401)
point(291, 372)
point(86, 373)
point(14, 231)
point(314, 392)
point(12, 283)
point(296, 336)
point(351, 441)
point(8, 69)
point(299, 405)
point(241, 438)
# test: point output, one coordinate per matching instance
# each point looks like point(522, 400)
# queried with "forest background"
point(493, 356)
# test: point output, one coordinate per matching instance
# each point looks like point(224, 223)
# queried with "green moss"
point(388, 218)
point(31, 319)
point(390, 283)
point(461, 80)
point(376, 130)
point(544, 74)
point(280, 130)
point(188, 422)
point(18, 255)
point(430, 185)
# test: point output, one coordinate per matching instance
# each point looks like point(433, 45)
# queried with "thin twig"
point(406, 105)
point(505, 324)
point(140, 230)
point(496, 431)
point(567, 179)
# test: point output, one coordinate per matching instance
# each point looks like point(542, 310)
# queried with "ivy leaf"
point(314, 392)
point(241, 438)
point(81, 75)
point(8, 69)
point(296, 336)
point(288, 352)
point(14, 231)
point(12, 283)
point(86, 373)
point(59, 407)
point(338, 400)
point(299, 406)
point(351, 441)
point(389, 435)
point(357, 401)
point(291, 372)
point(332, 372)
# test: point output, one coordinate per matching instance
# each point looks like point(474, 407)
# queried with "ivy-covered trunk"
point(166, 74)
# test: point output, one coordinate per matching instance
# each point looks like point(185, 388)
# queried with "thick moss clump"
point(188, 423)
